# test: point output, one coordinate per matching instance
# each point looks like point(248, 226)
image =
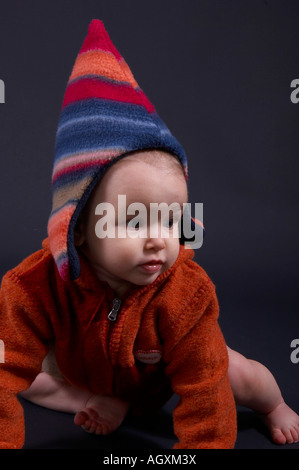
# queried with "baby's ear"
point(79, 237)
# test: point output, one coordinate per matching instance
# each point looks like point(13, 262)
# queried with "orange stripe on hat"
point(104, 64)
point(58, 229)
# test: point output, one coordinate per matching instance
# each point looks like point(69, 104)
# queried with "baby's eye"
point(169, 222)
point(134, 224)
point(172, 220)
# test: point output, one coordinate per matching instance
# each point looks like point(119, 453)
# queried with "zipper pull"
point(115, 309)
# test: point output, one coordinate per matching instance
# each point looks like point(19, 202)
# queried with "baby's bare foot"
point(283, 424)
point(102, 414)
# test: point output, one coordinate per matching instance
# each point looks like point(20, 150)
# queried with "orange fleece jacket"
point(166, 339)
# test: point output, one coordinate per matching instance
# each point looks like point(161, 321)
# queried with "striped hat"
point(104, 116)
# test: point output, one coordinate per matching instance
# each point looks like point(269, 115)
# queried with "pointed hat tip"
point(96, 26)
point(98, 38)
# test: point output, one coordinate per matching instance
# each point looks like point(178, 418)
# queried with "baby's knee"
point(240, 372)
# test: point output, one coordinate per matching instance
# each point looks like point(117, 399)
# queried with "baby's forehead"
point(145, 174)
point(131, 175)
point(140, 168)
point(157, 158)
point(153, 161)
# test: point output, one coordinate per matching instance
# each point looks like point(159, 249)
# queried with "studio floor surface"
point(46, 429)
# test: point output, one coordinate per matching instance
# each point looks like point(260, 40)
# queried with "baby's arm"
point(24, 335)
point(198, 368)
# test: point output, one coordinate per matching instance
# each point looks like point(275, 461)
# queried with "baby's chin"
point(146, 282)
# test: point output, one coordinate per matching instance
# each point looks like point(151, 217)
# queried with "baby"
point(129, 262)
point(129, 320)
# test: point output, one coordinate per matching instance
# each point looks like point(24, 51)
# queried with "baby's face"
point(148, 248)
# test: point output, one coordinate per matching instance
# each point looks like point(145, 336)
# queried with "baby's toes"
point(80, 418)
point(278, 436)
point(295, 433)
point(288, 432)
point(102, 429)
point(89, 427)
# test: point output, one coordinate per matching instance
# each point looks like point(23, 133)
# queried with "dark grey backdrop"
point(219, 74)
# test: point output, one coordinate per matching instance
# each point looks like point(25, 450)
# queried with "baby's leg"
point(254, 386)
point(94, 413)
point(55, 393)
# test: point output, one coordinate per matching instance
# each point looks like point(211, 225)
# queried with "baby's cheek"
point(123, 250)
point(174, 252)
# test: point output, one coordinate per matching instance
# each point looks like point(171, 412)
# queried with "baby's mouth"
point(151, 266)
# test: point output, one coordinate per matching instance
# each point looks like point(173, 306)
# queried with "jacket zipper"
point(112, 315)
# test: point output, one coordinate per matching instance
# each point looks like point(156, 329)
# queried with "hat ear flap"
point(79, 231)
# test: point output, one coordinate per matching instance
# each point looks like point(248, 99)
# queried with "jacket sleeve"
point(23, 334)
point(197, 365)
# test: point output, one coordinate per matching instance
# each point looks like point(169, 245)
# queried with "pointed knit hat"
point(105, 115)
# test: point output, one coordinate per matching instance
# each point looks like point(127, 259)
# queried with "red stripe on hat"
point(79, 167)
point(85, 88)
point(98, 38)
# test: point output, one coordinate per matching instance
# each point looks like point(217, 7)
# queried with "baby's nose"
point(157, 243)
